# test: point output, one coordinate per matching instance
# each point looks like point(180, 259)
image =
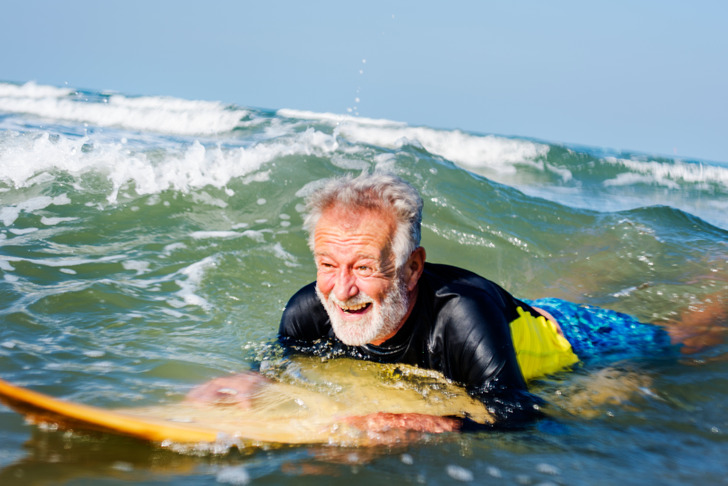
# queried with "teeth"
point(354, 308)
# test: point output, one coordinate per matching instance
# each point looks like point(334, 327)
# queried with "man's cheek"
point(324, 284)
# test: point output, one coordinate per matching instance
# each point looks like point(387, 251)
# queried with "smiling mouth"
point(356, 309)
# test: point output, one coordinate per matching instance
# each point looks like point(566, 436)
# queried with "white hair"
point(384, 192)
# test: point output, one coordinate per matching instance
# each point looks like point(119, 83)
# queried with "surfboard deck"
point(40, 408)
point(309, 408)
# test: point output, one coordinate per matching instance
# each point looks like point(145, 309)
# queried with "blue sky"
point(636, 75)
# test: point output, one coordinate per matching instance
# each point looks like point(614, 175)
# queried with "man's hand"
point(383, 422)
point(235, 390)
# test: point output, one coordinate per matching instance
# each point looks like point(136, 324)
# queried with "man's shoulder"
point(460, 296)
point(450, 278)
point(449, 271)
point(304, 316)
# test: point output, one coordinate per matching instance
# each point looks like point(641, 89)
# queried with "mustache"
point(359, 299)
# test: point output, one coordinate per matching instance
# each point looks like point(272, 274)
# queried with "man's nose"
point(345, 287)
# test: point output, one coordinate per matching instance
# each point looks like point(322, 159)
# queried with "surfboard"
point(308, 403)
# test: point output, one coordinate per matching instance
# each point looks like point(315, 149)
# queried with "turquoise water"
point(148, 244)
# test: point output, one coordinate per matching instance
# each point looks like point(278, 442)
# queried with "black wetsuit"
point(460, 326)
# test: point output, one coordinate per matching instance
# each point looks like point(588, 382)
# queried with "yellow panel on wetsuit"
point(540, 348)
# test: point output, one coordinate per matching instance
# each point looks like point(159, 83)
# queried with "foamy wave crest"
point(666, 174)
point(27, 158)
point(335, 117)
point(189, 283)
point(472, 152)
point(32, 90)
point(147, 113)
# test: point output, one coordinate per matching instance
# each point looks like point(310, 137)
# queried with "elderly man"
point(376, 298)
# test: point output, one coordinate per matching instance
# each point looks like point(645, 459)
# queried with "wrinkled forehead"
point(372, 224)
point(355, 214)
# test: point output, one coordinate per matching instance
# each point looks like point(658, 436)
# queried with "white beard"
point(379, 323)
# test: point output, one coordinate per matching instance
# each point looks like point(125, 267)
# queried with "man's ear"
point(414, 268)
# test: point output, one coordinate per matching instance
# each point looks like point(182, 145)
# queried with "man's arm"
point(300, 323)
point(478, 351)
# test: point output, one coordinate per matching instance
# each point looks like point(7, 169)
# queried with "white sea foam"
point(468, 151)
point(151, 113)
point(630, 178)
point(189, 282)
point(139, 267)
point(206, 198)
point(203, 235)
point(666, 174)
point(173, 247)
point(288, 258)
point(459, 473)
point(66, 261)
point(8, 214)
point(23, 156)
point(252, 234)
point(335, 118)
point(23, 231)
point(5, 265)
point(54, 221)
point(32, 90)
point(233, 475)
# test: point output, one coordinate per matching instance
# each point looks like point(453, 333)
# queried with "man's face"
point(356, 276)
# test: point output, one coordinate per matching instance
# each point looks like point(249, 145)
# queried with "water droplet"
point(548, 469)
point(459, 473)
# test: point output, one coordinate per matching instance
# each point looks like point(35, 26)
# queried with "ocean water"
point(148, 244)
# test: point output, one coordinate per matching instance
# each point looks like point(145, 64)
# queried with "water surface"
point(148, 244)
